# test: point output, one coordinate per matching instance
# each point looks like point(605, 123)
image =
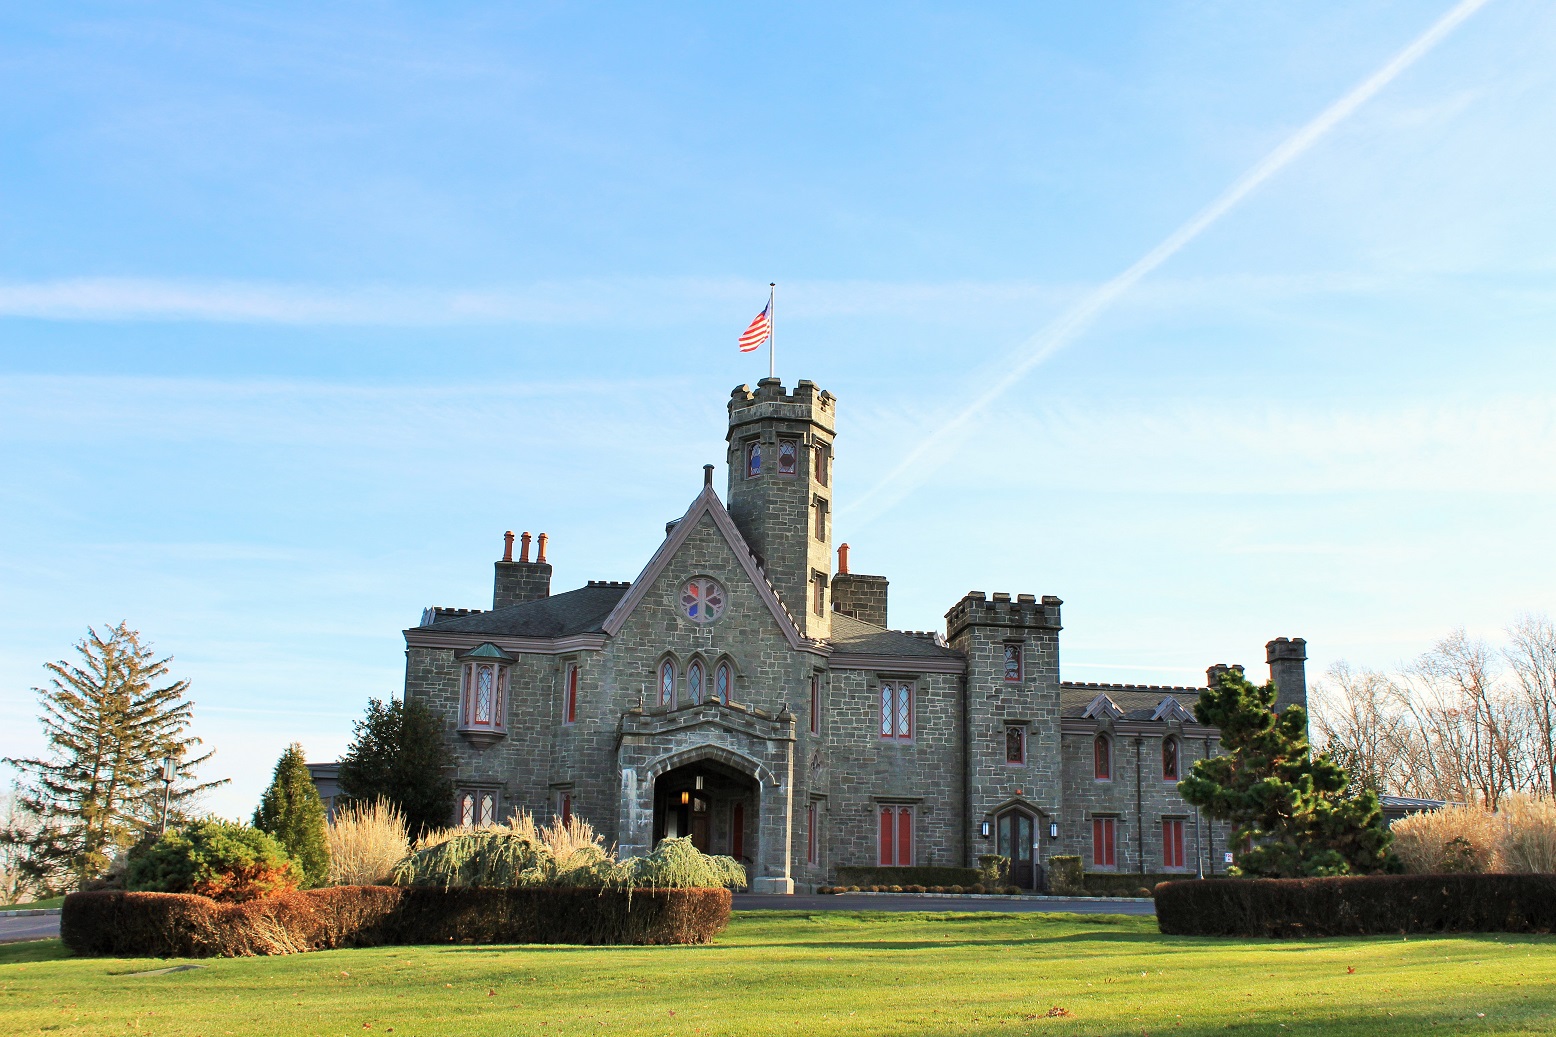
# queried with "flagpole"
point(772, 330)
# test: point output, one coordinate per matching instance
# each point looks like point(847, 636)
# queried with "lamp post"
point(169, 772)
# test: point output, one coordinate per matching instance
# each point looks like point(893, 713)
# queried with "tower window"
point(1013, 661)
point(821, 453)
point(753, 460)
point(1015, 744)
point(788, 456)
point(821, 519)
point(666, 683)
point(1102, 758)
point(819, 594)
point(1169, 759)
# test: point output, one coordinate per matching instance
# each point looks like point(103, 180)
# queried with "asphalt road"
point(28, 927)
point(46, 927)
point(1025, 905)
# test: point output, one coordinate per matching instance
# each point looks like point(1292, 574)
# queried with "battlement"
point(770, 401)
point(610, 583)
point(435, 613)
point(1027, 611)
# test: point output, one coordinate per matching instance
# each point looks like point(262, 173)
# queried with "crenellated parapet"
point(1025, 612)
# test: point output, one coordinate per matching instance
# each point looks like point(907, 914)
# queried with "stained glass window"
point(694, 682)
point(1102, 758)
point(667, 683)
point(702, 600)
point(753, 460)
point(1169, 759)
point(721, 683)
point(788, 456)
point(483, 695)
point(1015, 744)
point(1013, 662)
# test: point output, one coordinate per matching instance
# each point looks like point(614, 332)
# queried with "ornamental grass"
point(366, 841)
point(1520, 838)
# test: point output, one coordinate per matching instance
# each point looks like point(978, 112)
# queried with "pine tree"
point(1291, 809)
point(108, 727)
point(398, 752)
point(292, 811)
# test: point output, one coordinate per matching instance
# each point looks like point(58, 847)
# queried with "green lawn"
point(825, 973)
point(34, 905)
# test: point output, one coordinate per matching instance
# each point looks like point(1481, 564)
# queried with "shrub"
point(178, 925)
point(977, 887)
point(1528, 842)
point(1012, 891)
point(1358, 905)
point(1066, 877)
point(519, 857)
point(216, 859)
point(366, 842)
point(1447, 841)
point(956, 889)
point(993, 869)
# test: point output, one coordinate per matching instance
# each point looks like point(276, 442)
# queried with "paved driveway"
point(28, 927)
point(887, 902)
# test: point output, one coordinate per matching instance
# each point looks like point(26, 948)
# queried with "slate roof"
point(1138, 701)
point(580, 611)
point(861, 638)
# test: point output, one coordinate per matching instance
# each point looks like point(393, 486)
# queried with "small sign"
point(1227, 857)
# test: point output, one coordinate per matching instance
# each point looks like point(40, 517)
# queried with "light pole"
point(169, 772)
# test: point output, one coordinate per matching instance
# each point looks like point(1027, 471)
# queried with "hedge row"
point(1126, 883)
point(181, 925)
point(926, 875)
point(1358, 905)
point(975, 888)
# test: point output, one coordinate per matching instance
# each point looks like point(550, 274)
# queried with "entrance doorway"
point(1015, 830)
point(716, 806)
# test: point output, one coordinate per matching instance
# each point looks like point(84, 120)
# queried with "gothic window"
point(1102, 758)
point(1169, 759)
point(1015, 744)
point(722, 679)
point(1172, 842)
point(694, 682)
point(788, 456)
point(488, 809)
point(753, 460)
point(483, 696)
point(1102, 841)
point(820, 451)
point(667, 683)
point(1013, 662)
point(564, 806)
point(477, 807)
point(896, 837)
point(467, 810)
point(815, 703)
point(810, 834)
point(896, 710)
point(570, 695)
point(702, 600)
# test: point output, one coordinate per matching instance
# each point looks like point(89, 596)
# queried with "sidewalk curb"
point(999, 896)
point(29, 914)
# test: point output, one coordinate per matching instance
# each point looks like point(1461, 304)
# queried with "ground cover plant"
point(825, 973)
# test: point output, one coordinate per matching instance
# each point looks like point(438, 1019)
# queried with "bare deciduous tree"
point(1531, 654)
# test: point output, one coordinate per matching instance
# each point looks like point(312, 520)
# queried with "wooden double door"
point(1016, 839)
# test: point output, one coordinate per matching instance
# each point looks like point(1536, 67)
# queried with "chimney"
point(1288, 669)
point(540, 552)
point(1214, 672)
point(524, 580)
point(842, 560)
point(856, 595)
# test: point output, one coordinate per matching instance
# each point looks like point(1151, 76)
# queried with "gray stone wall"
point(859, 596)
point(516, 582)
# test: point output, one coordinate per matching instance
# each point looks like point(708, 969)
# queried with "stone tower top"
point(780, 491)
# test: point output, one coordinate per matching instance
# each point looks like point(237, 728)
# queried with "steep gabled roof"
point(707, 503)
point(1133, 701)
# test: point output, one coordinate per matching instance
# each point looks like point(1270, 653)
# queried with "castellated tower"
point(780, 491)
point(1012, 705)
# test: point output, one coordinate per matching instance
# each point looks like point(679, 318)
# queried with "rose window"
point(702, 600)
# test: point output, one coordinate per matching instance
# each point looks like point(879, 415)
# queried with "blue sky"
point(301, 308)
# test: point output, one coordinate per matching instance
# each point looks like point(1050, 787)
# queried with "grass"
point(34, 905)
point(825, 973)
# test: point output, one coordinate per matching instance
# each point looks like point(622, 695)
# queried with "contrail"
point(913, 468)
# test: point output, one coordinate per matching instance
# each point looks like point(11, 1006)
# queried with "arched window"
point(1169, 759)
point(753, 460)
point(1102, 753)
point(694, 682)
point(723, 679)
point(483, 698)
point(667, 683)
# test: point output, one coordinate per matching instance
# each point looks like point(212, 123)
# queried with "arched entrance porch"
point(716, 805)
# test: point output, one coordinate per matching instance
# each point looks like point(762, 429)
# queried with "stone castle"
point(743, 692)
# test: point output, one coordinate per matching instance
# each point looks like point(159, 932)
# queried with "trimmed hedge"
point(181, 925)
point(926, 875)
point(1358, 905)
point(1126, 883)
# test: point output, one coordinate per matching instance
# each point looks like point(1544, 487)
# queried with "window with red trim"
point(896, 837)
point(815, 703)
point(667, 683)
point(570, 695)
point(788, 457)
point(737, 831)
point(1102, 758)
point(1169, 759)
point(1172, 842)
point(564, 806)
point(1102, 831)
point(1013, 662)
point(896, 710)
point(723, 678)
point(810, 834)
point(753, 460)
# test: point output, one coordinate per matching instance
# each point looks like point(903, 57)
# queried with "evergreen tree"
point(398, 752)
point(292, 811)
point(108, 726)
point(1292, 809)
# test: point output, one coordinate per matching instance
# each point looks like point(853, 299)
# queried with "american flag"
point(753, 337)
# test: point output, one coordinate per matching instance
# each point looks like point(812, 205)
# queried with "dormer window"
point(753, 460)
point(483, 694)
point(788, 457)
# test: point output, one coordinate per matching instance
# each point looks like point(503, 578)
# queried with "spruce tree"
point(108, 725)
point(293, 813)
point(398, 752)
point(1292, 810)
